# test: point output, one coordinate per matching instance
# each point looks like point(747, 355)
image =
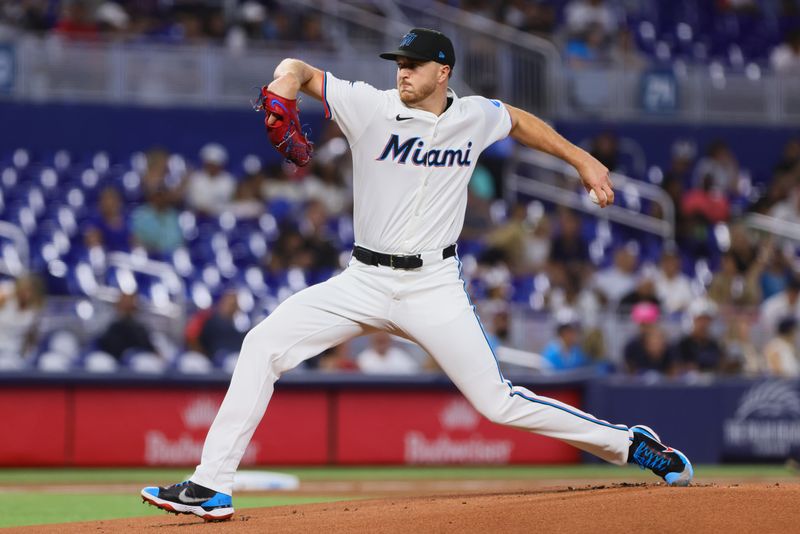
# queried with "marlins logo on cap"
point(424, 45)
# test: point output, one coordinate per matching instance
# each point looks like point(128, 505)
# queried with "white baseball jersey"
point(411, 167)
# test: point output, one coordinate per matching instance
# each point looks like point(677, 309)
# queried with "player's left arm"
point(535, 133)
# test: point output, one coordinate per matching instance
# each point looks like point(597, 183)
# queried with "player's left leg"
point(436, 312)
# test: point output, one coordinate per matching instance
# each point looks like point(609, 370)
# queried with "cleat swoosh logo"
point(669, 449)
point(189, 500)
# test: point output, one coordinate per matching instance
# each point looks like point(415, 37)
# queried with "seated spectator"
point(155, 224)
point(384, 357)
point(219, 332)
point(781, 305)
point(569, 250)
point(785, 58)
point(77, 20)
point(705, 203)
point(618, 280)
point(648, 350)
point(605, 149)
point(210, 189)
point(645, 291)
point(109, 228)
point(673, 288)
point(564, 352)
point(325, 185)
point(739, 345)
point(247, 202)
point(319, 246)
point(21, 303)
point(581, 14)
point(625, 54)
point(730, 288)
point(743, 247)
point(588, 49)
point(718, 171)
point(126, 331)
point(781, 351)
point(698, 350)
point(788, 210)
point(510, 237)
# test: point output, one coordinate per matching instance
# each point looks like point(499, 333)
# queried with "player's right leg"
point(304, 325)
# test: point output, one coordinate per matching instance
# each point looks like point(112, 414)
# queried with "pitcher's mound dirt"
point(640, 508)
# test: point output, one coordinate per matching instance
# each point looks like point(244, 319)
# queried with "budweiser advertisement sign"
point(157, 427)
point(436, 427)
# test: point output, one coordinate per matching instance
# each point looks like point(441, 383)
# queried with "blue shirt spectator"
point(564, 352)
point(155, 224)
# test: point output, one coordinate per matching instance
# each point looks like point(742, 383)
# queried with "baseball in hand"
point(593, 196)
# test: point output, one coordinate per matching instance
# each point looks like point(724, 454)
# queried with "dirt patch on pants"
point(617, 508)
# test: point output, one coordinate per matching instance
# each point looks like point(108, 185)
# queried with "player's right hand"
point(596, 177)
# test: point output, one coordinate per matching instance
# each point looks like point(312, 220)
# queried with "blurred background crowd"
point(161, 260)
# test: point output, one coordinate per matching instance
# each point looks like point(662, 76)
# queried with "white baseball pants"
point(429, 306)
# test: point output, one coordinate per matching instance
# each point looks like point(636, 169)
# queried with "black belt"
point(370, 257)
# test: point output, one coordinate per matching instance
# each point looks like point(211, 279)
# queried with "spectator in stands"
point(247, 202)
point(383, 357)
point(676, 177)
point(159, 177)
point(776, 271)
point(21, 303)
point(781, 353)
point(625, 54)
point(790, 160)
point(572, 294)
point(324, 184)
point(705, 204)
point(673, 288)
point(77, 20)
point(248, 27)
point(511, 237)
point(320, 248)
point(739, 347)
point(648, 350)
point(788, 210)
point(582, 14)
point(785, 58)
point(783, 304)
point(210, 190)
point(536, 17)
point(155, 224)
point(219, 332)
point(283, 183)
point(731, 288)
point(109, 227)
point(126, 332)
point(743, 247)
point(569, 250)
point(587, 49)
point(478, 217)
point(644, 292)
point(720, 166)
point(605, 148)
point(564, 353)
point(699, 350)
point(618, 280)
point(112, 20)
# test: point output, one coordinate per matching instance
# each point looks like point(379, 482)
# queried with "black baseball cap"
point(425, 45)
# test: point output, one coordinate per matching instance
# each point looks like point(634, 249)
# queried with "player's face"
point(416, 80)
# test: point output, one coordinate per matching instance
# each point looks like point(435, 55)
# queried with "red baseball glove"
point(285, 133)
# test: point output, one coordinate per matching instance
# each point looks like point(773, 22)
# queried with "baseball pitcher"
point(414, 149)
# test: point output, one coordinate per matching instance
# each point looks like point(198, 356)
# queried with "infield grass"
point(39, 496)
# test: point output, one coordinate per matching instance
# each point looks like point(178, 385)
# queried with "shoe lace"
point(649, 458)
